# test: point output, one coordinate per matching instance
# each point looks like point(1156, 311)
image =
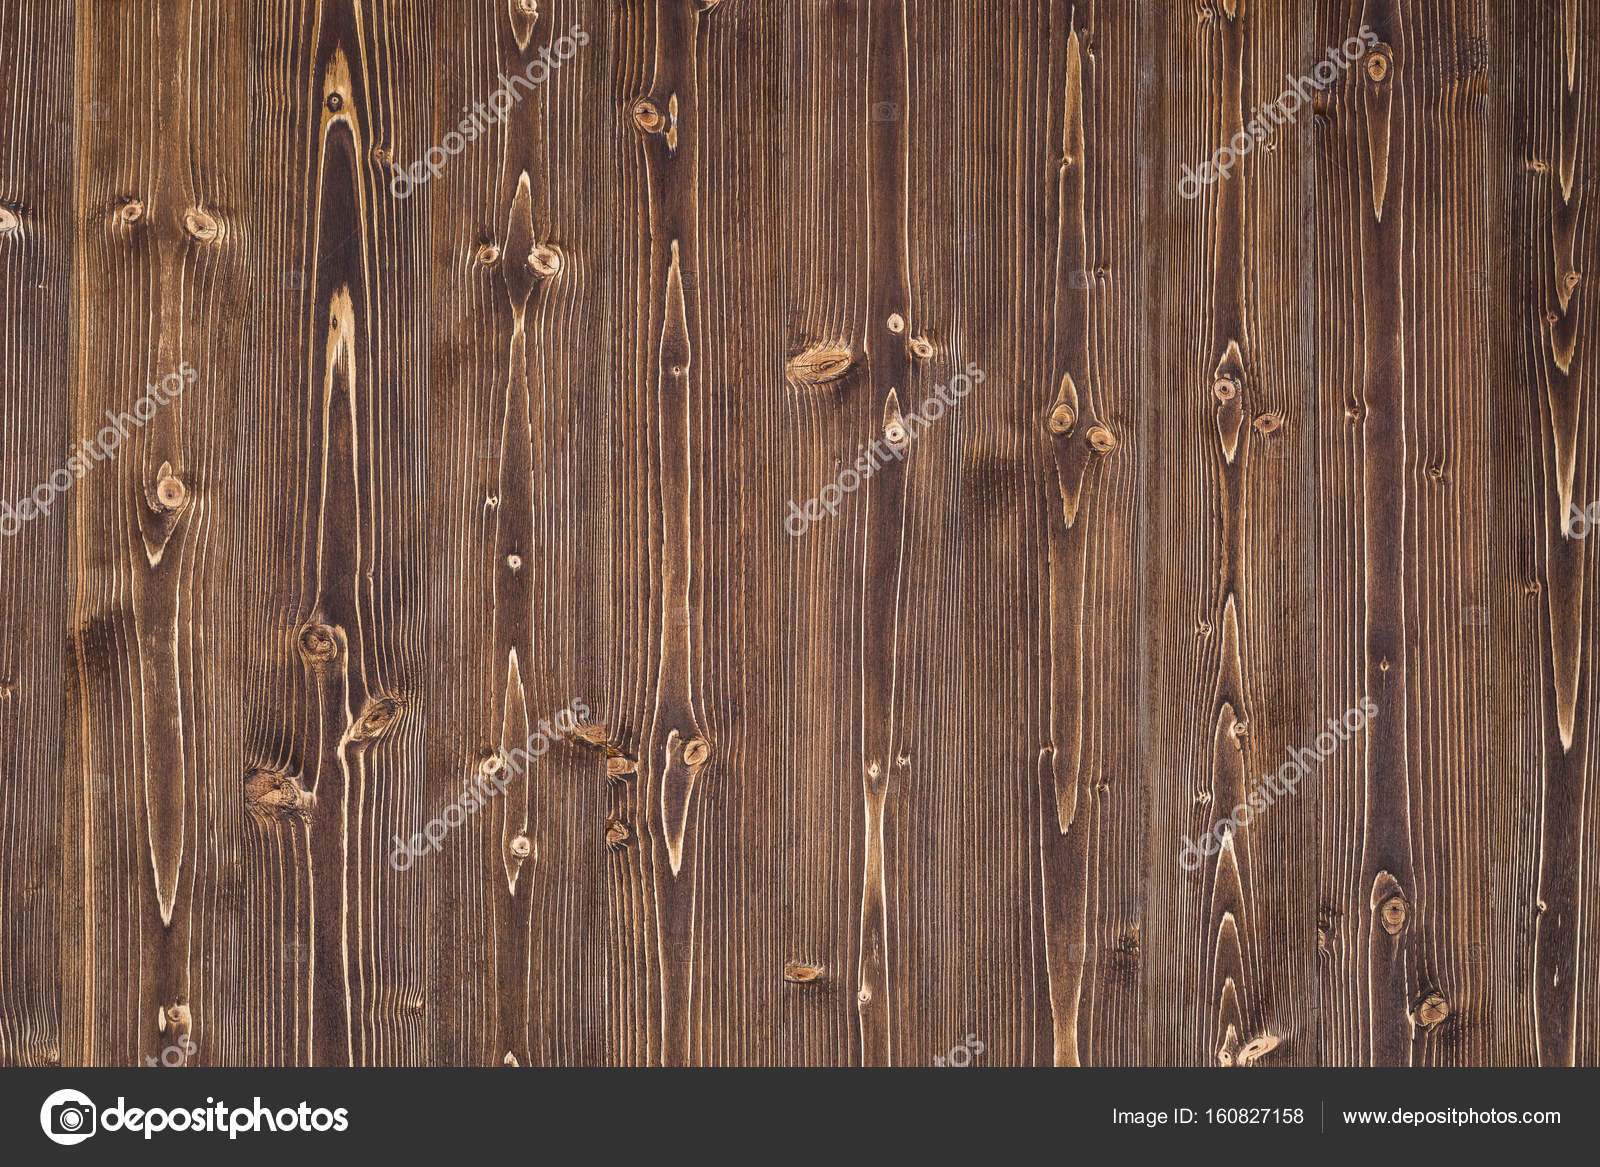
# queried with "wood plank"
point(152, 753)
point(520, 408)
point(36, 437)
point(333, 424)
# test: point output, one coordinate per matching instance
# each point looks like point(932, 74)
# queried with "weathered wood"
point(40, 910)
point(744, 533)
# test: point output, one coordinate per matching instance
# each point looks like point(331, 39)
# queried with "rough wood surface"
point(470, 520)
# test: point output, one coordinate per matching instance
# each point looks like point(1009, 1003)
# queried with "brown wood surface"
point(915, 784)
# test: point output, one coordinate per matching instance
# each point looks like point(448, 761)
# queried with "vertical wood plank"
point(333, 537)
point(152, 757)
point(36, 437)
point(1551, 208)
point(824, 426)
point(1231, 927)
point(520, 405)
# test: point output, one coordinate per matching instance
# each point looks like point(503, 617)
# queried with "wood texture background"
point(530, 435)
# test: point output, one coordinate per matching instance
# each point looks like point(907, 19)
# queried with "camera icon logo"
point(68, 1117)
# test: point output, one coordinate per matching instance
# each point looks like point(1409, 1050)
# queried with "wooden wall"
point(915, 784)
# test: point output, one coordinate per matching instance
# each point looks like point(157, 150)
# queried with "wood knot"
point(528, 8)
point(1268, 422)
point(921, 347)
point(171, 492)
point(1329, 925)
point(1431, 1010)
point(488, 255)
point(8, 221)
point(1225, 388)
point(1101, 440)
point(647, 117)
point(595, 737)
point(1392, 915)
point(270, 795)
point(696, 751)
point(522, 846)
point(895, 433)
point(318, 643)
point(1378, 65)
point(335, 102)
point(620, 767)
point(131, 211)
point(514, 562)
point(803, 972)
point(1061, 419)
point(897, 323)
point(616, 834)
point(177, 1015)
point(375, 721)
point(381, 156)
point(200, 226)
point(544, 260)
point(1570, 281)
point(820, 364)
point(491, 763)
point(1257, 1049)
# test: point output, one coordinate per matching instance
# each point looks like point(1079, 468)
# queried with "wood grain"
point(520, 331)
